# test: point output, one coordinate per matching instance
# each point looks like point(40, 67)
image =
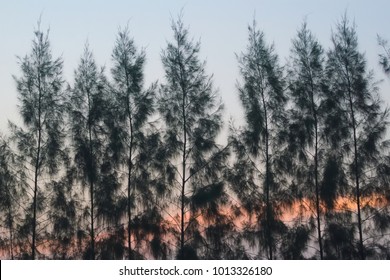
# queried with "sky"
point(220, 25)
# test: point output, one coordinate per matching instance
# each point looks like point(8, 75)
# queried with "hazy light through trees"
point(106, 166)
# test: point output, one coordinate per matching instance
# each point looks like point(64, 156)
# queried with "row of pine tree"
point(105, 167)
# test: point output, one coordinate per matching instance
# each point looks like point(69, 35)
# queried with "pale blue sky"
point(221, 26)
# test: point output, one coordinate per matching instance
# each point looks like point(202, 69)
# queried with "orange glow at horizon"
point(302, 209)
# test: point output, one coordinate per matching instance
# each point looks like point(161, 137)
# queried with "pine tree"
point(10, 195)
point(40, 142)
point(307, 141)
point(191, 112)
point(362, 119)
point(86, 111)
point(136, 147)
point(255, 177)
point(382, 219)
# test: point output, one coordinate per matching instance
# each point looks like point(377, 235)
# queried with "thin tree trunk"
point(129, 163)
point(92, 178)
point(182, 229)
point(35, 200)
point(317, 189)
point(92, 233)
point(37, 163)
point(184, 158)
point(130, 167)
point(10, 223)
point(357, 182)
point(318, 210)
point(267, 182)
point(129, 210)
point(356, 171)
point(11, 235)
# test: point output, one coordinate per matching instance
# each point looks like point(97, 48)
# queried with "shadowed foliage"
point(110, 169)
point(40, 141)
point(384, 56)
point(63, 219)
point(191, 111)
point(135, 147)
point(86, 113)
point(295, 242)
point(305, 137)
point(363, 122)
point(255, 177)
point(10, 196)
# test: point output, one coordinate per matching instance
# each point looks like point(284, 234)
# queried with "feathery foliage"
point(191, 112)
point(40, 142)
point(255, 177)
point(86, 113)
point(307, 176)
point(305, 137)
point(362, 120)
point(10, 195)
point(136, 145)
point(384, 57)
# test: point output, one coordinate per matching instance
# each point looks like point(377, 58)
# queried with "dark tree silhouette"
point(254, 177)
point(86, 112)
point(10, 196)
point(144, 177)
point(294, 243)
point(306, 139)
point(41, 107)
point(382, 219)
point(339, 236)
point(384, 57)
point(63, 209)
point(192, 117)
point(363, 122)
point(135, 145)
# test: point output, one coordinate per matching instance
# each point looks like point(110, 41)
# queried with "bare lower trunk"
point(318, 197)
point(129, 208)
point(11, 234)
point(356, 173)
point(92, 232)
point(267, 183)
point(182, 228)
point(37, 164)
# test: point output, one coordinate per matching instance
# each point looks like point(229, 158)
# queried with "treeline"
point(105, 167)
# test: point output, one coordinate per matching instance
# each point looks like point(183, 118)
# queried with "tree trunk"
point(37, 165)
point(317, 189)
point(130, 167)
point(182, 229)
point(356, 171)
point(11, 235)
point(267, 182)
point(92, 178)
point(317, 192)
